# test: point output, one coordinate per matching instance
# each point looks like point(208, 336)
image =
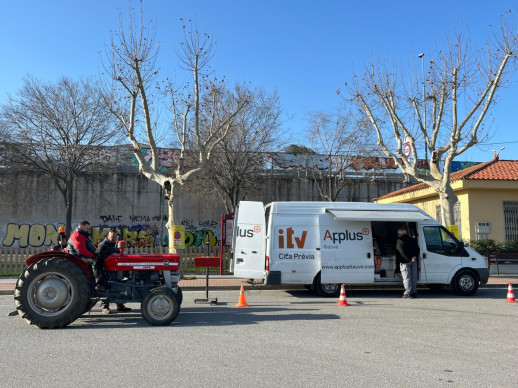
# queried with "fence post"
point(5, 258)
point(17, 258)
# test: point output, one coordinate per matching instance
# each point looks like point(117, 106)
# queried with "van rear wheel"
point(326, 290)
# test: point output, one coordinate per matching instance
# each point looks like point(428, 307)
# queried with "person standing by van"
point(407, 251)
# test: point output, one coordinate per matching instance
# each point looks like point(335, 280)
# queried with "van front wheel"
point(465, 283)
point(326, 289)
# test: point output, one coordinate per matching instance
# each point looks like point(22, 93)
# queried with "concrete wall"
point(32, 209)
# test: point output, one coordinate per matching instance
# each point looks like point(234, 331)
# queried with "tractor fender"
point(73, 258)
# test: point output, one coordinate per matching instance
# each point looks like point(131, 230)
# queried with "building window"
point(511, 220)
point(456, 215)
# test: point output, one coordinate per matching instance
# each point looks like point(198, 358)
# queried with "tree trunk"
point(172, 221)
point(68, 204)
point(448, 199)
point(330, 187)
point(169, 226)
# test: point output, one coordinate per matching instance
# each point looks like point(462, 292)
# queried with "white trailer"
point(325, 244)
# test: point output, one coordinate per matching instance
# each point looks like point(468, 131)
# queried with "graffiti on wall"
point(143, 235)
point(201, 233)
point(145, 232)
point(117, 218)
point(31, 235)
point(167, 157)
point(40, 235)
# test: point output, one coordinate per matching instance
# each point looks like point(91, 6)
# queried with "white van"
point(325, 244)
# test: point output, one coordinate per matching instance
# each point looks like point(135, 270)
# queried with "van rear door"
point(248, 243)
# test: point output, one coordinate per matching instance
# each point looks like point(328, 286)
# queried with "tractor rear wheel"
point(52, 293)
point(179, 294)
point(160, 307)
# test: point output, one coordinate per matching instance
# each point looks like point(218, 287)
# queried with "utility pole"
point(424, 109)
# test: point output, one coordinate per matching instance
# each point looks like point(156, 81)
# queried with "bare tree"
point(339, 140)
point(241, 157)
point(460, 88)
point(54, 129)
point(201, 118)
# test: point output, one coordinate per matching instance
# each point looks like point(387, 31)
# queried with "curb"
point(251, 287)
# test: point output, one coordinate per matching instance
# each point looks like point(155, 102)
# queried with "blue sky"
point(305, 50)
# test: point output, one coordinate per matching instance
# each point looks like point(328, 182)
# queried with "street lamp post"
point(496, 154)
point(424, 109)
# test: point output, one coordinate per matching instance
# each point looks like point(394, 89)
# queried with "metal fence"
point(12, 260)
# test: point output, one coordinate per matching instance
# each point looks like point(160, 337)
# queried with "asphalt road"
point(290, 339)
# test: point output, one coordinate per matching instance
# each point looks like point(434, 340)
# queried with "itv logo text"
point(289, 241)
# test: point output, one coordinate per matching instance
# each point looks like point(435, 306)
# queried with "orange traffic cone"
point(510, 294)
point(343, 300)
point(242, 298)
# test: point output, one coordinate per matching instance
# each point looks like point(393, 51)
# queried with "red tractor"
point(57, 287)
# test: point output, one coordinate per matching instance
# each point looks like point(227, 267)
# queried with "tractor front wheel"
point(160, 307)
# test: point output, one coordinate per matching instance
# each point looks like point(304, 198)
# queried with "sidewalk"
point(229, 282)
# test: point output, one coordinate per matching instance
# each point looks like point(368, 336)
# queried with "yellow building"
point(487, 204)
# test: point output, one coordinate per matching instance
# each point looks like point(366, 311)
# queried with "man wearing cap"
point(105, 248)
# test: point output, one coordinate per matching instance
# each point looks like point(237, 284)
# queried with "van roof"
point(319, 207)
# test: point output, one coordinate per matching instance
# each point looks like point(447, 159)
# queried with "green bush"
point(485, 247)
point(510, 246)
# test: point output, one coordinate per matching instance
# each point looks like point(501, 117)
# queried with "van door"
point(294, 243)
point(347, 252)
point(441, 254)
point(248, 243)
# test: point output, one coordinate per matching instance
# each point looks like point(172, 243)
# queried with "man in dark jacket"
point(407, 252)
point(107, 247)
point(81, 245)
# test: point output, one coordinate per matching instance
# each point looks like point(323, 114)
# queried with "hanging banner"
point(453, 229)
point(178, 236)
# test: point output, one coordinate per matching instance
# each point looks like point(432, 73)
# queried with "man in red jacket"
point(81, 245)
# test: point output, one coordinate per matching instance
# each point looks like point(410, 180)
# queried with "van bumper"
point(483, 274)
point(272, 278)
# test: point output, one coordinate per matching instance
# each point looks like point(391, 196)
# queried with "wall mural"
point(30, 235)
point(143, 231)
